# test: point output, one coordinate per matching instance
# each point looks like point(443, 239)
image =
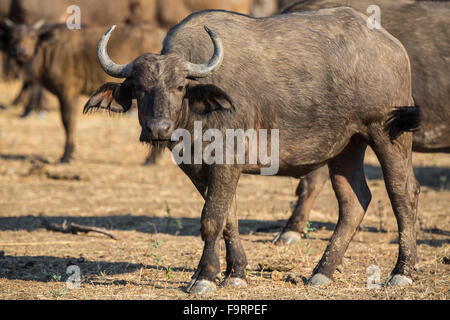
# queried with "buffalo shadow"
point(140, 223)
point(49, 268)
point(435, 177)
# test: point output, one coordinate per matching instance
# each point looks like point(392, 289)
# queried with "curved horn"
point(8, 23)
point(39, 24)
point(204, 70)
point(111, 68)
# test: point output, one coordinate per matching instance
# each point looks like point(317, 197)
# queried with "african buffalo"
point(93, 13)
point(322, 82)
point(423, 28)
point(98, 13)
point(262, 8)
point(165, 13)
point(64, 61)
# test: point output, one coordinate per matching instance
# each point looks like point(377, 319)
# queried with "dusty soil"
point(154, 212)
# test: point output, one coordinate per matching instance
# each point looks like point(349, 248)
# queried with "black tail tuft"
point(403, 119)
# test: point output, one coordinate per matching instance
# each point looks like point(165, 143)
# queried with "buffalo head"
point(21, 40)
point(163, 85)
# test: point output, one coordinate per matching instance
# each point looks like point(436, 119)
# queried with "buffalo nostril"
point(160, 129)
point(20, 51)
point(164, 127)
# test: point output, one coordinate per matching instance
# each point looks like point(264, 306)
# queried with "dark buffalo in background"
point(64, 61)
point(327, 105)
point(98, 13)
point(424, 30)
point(165, 13)
point(264, 8)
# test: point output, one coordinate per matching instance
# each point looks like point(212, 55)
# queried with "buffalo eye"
point(180, 88)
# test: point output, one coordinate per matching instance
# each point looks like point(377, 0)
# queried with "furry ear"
point(47, 33)
point(205, 98)
point(6, 26)
point(115, 97)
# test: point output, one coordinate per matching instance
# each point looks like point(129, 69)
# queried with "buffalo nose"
point(160, 129)
point(20, 52)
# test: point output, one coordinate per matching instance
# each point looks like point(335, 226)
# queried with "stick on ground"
point(73, 228)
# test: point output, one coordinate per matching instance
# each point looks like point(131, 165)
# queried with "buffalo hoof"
point(202, 287)
point(399, 280)
point(42, 114)
point(288, 237)
point(319, 280)
point(65, 159)
point(25, 114)
point(237, 283)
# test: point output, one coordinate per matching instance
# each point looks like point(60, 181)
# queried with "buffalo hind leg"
point(353, 194)
point(307, 191)
point(222, 183)
point(403, 189)
point(67, 108)
point(236, 259)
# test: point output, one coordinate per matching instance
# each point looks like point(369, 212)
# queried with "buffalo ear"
point(7, 24)
point(115, 97)
point(47, 33)
point(205, 98)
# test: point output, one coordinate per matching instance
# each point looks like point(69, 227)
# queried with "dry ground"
point(154, 212)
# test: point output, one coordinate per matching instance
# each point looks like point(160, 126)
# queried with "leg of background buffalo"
point(67, 107)
point(403, 190)
point(236, 259)
point(23, 94)
point(222, 185)
point(38, 94)
point(353, 194)
point(307, 191)
point(35, 99)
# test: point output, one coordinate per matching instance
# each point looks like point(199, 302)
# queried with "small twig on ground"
point(73, 228)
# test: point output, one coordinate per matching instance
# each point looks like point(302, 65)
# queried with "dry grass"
point(154, 211)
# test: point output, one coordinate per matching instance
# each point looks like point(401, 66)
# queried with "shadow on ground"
point(47, 268)
point(433, 177)
point(172, 226)
point(144, 224)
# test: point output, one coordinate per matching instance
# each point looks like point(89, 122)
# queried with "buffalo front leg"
point(236, 259)
point(35, 98)
point(222, 183)
point(307, 191)
point(67, 108)
point(353, 194)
